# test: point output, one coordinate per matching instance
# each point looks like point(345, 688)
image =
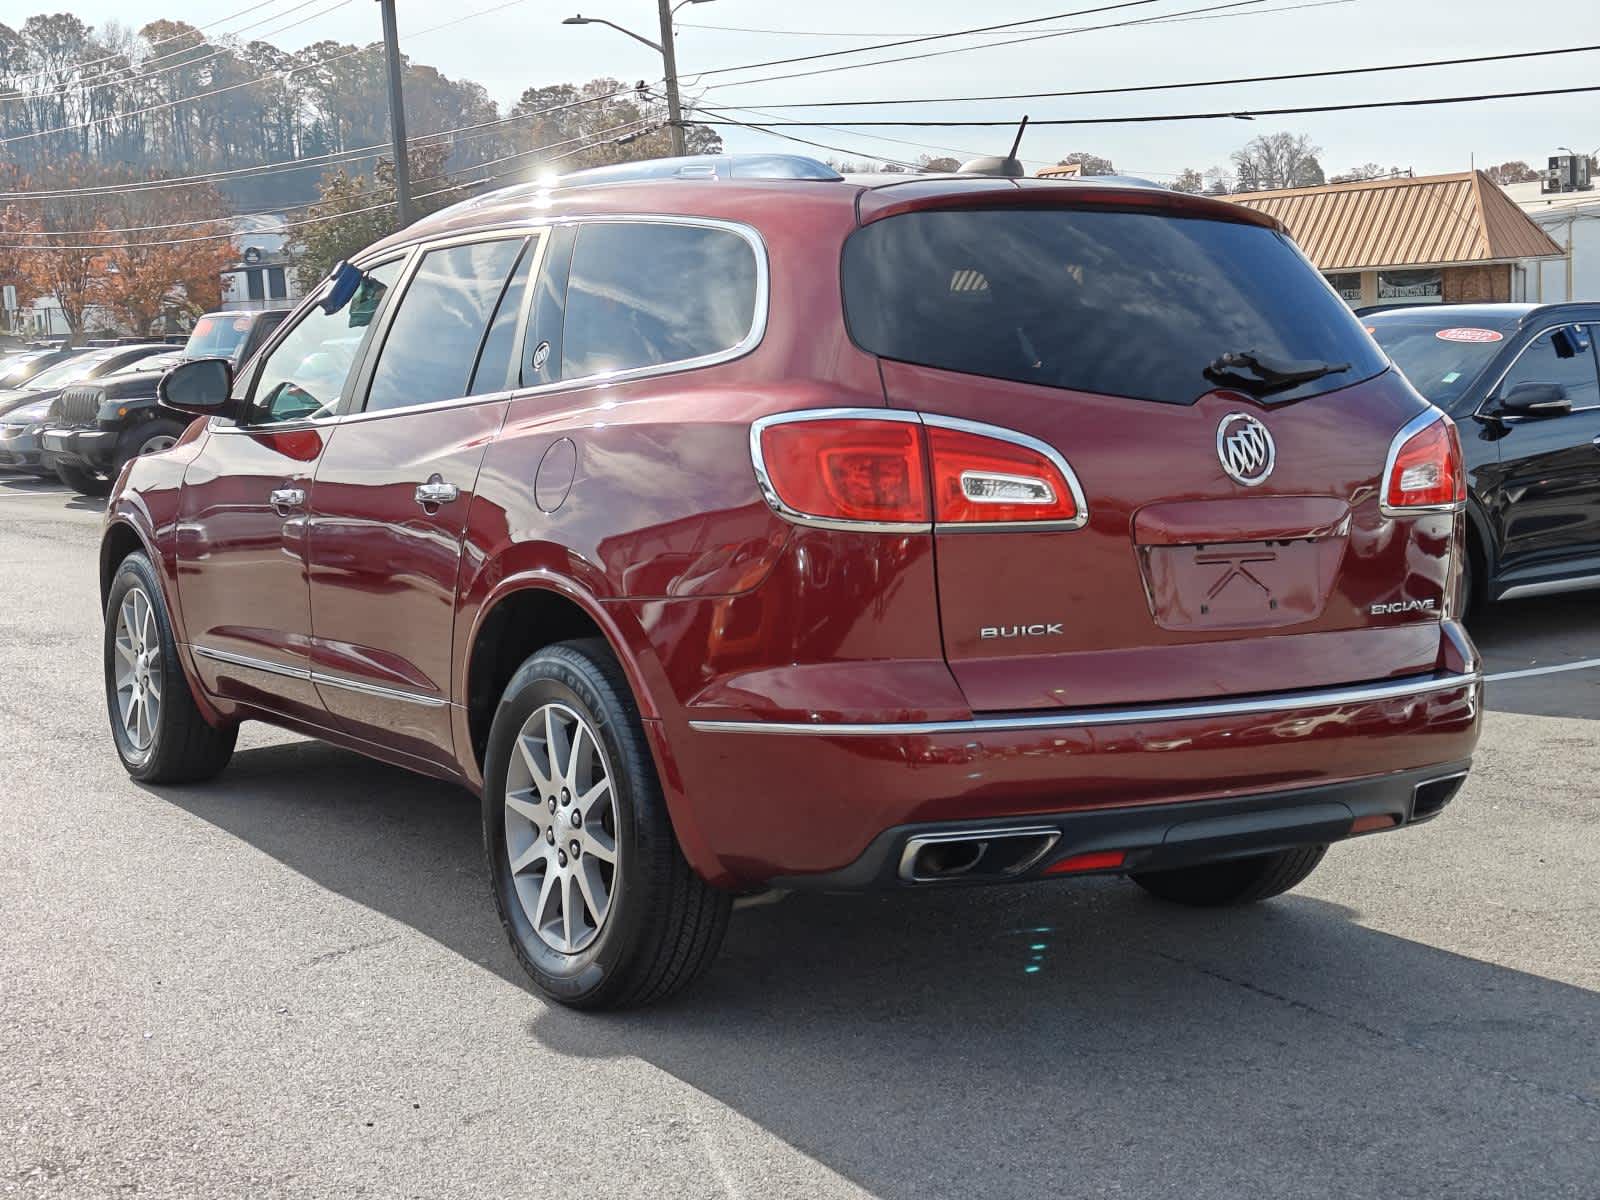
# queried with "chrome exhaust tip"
point(974, 853)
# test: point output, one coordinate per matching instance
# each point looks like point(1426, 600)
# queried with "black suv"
point(1523, 384)
point(94, 429)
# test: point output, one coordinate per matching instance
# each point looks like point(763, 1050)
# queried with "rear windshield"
point(217, 337)
point(1440, 353)
point(1119, 303)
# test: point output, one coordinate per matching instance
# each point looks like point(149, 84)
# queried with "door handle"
point(436, 491)
point(286, 500)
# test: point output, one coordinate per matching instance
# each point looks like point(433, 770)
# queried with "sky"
point(524, 43)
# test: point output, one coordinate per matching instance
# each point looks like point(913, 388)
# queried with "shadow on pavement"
point(1059, 1040)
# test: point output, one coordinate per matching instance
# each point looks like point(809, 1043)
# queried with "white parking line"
point(1584, 664)
point(5, 495)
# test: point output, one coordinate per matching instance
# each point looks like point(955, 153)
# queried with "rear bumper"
point(784, 800)
point(92, 448)
point(1151, 837)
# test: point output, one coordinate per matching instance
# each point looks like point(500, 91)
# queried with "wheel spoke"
point(569, 909)
point(595, 896)
point(597, 842)
point(125, 651)
point(588, 799)
point(555, 744)
point(153, 683)
point(540, 778)
point(573, 752)
point(534, 853)
point(541, 908)
point(525, 803)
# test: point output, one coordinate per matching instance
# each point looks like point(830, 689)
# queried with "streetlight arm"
point(656, 46)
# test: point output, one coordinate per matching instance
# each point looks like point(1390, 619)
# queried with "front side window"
point(1116, 303)
point(643, 295)
point(304, 374)
point(432, 344)
point(1564, 357)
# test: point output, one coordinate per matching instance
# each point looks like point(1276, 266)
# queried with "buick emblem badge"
point(1245, 449)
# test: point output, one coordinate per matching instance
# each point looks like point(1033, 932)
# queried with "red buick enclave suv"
point(729, 524)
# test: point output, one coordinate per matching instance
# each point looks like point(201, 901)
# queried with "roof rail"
point(705, 166)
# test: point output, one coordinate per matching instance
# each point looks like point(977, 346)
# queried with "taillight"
point(1425, 471)
point(844, 469)
point(874, 468)
point(987, 476)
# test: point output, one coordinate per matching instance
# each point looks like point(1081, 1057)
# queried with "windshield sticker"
point(1451, 378)
point(1469, 335)
point(241, 324)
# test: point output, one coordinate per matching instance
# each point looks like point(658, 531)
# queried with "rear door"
point(1233, 540)
point(1548, 499)
point(392, 491)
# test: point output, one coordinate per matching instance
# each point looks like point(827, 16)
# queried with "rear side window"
point(645, 295)
point(432, 345)
point(1117, 303)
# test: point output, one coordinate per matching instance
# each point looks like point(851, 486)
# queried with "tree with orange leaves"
point(151, 271)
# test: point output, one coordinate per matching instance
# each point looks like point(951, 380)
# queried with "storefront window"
point(1348, 285)
point(1410, 287)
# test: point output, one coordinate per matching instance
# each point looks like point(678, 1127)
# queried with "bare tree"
point(1189, 180)
point(1088, 164)
point(1515, 171)
point(1219, 181)
point(1277, 160)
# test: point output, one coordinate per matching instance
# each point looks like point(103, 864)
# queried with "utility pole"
point(669, 59)
point(397, 116)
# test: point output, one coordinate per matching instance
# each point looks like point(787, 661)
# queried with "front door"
point(241, 528)
point(1549, 501)
point(389, 504)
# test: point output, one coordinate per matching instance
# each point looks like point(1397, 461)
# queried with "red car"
point(727, 524)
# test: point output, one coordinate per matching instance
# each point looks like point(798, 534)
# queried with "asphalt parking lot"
point(291, 983)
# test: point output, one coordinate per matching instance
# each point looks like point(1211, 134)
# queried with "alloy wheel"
point(561, 828)
point(138, 668)
point(161, 441)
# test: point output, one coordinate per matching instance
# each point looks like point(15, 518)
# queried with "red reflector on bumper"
point(1373, 823)
point(1100, 860)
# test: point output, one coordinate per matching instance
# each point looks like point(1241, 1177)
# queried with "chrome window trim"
point(317, 677)
point(910, 417)
point(534, 226)
point(1408, 431)
point(1282, 702)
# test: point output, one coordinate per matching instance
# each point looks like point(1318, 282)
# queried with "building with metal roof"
point(1433, 238)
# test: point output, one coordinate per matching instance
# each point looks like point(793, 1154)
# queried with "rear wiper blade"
point(1262, 373)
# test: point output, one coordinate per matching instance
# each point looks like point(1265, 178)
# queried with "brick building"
point(1449, 238)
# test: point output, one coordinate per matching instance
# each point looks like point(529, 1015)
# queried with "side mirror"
point(1536, 400)
point(201, 387)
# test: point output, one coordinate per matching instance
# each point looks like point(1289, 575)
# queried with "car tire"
point(148, 438)
point(591, 934)
point(1235, 881)
point(81, 480)
point(160, 734)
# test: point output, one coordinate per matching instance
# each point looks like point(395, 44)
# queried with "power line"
point(302, 163)
point(142, 73)
point(834, 33)
point(1200, 83)
point(1034, 37)
point(94, 62)
point(1239, 114)
point(233, 87)
point(927, 37)
point(590, 140)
